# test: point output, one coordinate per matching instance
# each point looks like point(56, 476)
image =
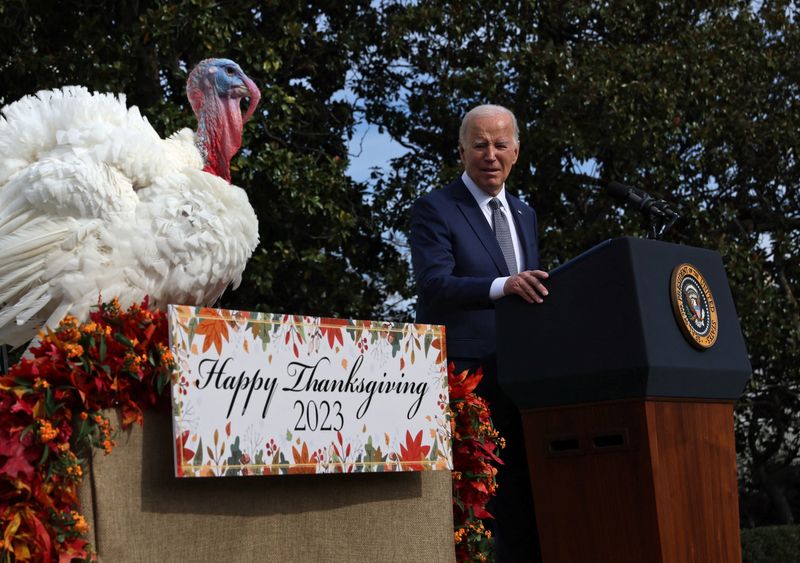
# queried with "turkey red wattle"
point(215, 89)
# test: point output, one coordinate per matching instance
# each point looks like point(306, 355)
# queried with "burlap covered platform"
point(140, 512)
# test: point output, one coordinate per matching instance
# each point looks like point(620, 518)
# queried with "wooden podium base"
point(635, 481)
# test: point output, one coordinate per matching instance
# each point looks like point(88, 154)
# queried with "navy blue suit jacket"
point(456, 257)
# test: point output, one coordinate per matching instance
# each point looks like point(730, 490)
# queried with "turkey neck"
point(219, 134)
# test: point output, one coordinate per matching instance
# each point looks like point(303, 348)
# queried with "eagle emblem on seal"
point(694, 306)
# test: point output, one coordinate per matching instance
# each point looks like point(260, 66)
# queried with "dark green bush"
point(771, 544)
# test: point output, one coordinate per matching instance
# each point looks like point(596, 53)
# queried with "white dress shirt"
point(483, 199)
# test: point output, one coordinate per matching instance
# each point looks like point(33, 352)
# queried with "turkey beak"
point(255, 96)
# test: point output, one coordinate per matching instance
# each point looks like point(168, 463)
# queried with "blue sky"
point(368, 149)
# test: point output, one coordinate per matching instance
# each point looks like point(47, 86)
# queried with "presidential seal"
point(694, 306)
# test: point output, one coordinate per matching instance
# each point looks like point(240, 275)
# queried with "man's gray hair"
point(482, 111)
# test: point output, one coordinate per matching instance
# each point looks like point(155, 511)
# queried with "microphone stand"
point(658, 213)
point(660, 216)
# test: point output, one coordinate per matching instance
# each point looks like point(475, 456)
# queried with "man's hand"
point(528, 285)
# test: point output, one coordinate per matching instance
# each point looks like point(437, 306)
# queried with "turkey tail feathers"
point(93, 203)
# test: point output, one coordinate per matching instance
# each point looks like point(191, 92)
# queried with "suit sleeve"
point(433, 254)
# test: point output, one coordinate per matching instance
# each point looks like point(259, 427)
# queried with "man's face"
point(489, 151)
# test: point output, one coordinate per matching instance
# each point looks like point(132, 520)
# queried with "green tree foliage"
point(321, 249)
point(771, 544)
point(695, 102)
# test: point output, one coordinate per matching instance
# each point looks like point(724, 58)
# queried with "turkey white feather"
point(95, 205)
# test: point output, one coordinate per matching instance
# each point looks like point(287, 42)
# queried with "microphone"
point(657, 210)
point(649, 205)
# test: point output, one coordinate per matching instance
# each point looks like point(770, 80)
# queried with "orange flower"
point(46, 431)
point(165, 353)
point(108, 445)
point(80, 524)
point(73, 350)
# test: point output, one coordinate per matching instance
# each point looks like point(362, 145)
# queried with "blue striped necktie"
point(503, 234)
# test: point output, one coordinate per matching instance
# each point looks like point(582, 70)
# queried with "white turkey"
point(94, 205)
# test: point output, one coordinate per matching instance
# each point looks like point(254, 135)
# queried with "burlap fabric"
point(140, 512)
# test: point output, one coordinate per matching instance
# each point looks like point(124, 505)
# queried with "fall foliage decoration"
point(475, 446)
point(50, 415)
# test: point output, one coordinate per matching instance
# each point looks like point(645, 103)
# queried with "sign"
point(273, 394)
point(694, 307)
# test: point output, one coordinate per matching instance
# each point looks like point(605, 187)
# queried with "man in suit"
point(471, 244)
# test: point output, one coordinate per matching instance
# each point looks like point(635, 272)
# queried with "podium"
point(628, 413)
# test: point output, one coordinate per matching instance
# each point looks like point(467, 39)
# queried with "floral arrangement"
point(50, 414)
point(475, 447)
